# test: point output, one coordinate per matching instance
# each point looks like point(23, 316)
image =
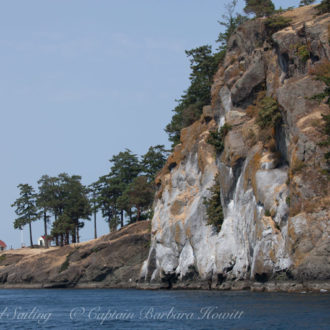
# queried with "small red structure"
point(2, 245)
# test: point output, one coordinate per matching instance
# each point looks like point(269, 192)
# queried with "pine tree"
point(26, 209)
point(230, 21)
point(125, 168)
point(203, 65)
point(306, 2)
point(153, 161)
point(259, 7)
point(140, 194)
point(46, 200)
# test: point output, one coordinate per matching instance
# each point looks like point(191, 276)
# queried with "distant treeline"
point(124, 195)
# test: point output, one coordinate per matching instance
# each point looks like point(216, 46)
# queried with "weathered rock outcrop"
point(113, 260)
point(274, 189)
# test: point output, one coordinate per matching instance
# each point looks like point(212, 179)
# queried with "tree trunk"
point(121, 218)
point(30, 228)
point(56, 240)
point(109, 223)
point(62, 239)
point(138, 213)
point(78, 238)
point(67, 238)
point(95, 232)
point(45, 226)
point(73, 234)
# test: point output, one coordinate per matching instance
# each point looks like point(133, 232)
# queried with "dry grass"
point(321, 69)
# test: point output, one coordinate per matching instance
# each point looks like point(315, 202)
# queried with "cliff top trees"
point(306, 2)
point(153, 161)
point(231, 20)
point(323, 7)
point(189, 109)
point(203, 65)
point(26, 208)
point(259, 7)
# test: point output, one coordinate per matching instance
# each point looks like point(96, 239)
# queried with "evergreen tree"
point(306, 2)
point(94, 202)
point(26, 209)
point(323, 7)
point(125, 168)
point(153, 161)
point(46, 199)
point(140, 194)
point(213, 206)
point(259, 7)
point(76, 203)
point(230, 21)
point(189, 109)
point(108, 191)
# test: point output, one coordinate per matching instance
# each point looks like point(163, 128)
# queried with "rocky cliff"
point(113, 260)
point(274, 179)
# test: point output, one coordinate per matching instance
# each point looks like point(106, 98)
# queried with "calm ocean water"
point(133, 309)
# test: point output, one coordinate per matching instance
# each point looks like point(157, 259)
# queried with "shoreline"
point(283, 287)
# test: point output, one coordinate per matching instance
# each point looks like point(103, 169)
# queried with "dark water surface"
point(133, 309)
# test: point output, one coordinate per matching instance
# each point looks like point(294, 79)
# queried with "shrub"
point(323, 7)
point(2, 257)
point(267, 213)
point(276, 23)
point(303, 53)
point(213, 206)
point(268, 114)
point(65, 264)
point(259, 7)
point(217, 138)
point(288, 201)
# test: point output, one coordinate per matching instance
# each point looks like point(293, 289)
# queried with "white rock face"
point(249, 242)
point(261, 234)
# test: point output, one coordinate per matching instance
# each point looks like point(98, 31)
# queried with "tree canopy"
point(259, 7)
point(26, 208)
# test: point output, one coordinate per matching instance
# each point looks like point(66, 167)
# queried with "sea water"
point(136, 309)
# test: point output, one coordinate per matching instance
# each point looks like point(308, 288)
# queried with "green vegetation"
point(268, 112)
point(217, 138)
point(288, 200)
point(303, 53)
point(2, 257)
point(323, 7)
point(203, 65)
point(230, 21)
point(189, 109)
point(65, 264)
point(259, 7)
point(306, 2)
point(267, 213)
point(127, 191)
point(213, 206)
point(276, 23)
point(26, 208)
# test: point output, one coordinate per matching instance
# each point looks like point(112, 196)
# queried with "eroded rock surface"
point(275, 197)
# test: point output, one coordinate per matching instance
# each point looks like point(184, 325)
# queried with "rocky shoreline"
point(288, 286)
point(114, 261)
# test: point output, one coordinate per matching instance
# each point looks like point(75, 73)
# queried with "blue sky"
point(82, 80)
